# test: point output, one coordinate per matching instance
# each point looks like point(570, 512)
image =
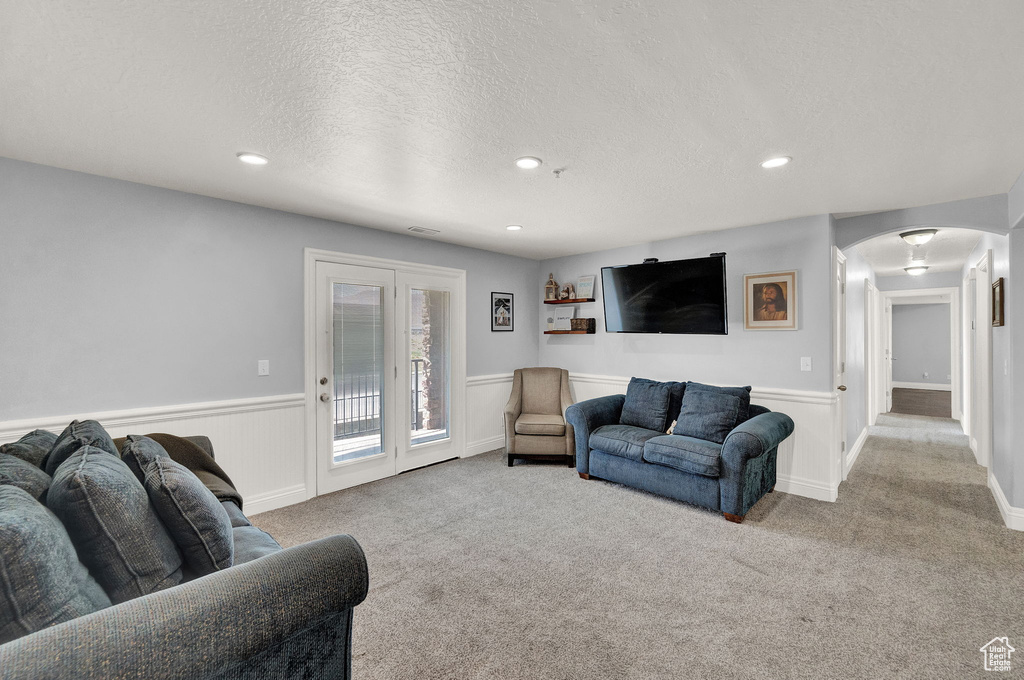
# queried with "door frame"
point(874, 373)
point(983, 435)
point(458, 344)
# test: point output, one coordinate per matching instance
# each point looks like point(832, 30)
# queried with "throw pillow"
point(32, 448)
point(742, 393)
point(75, 436)
point(646, 404)
point(43, 583)
point(25, 476)
point(710, 416)
point(193, 516)
point(117, 532)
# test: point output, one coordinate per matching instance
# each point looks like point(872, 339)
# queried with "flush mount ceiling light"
point(776, 162)
point(918, 237)
point(528, 163)
point(916, 270)
point(514, 227)
point(252, 158)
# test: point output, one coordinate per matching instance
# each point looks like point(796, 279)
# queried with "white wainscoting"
point(808, 463)
point(486, 396)
point(1013, 517)
point(259, 442)
point(851, 455)
point(923, 386)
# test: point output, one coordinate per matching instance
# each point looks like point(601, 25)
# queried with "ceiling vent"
point(424, 230)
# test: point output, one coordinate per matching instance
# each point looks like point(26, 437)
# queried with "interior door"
point(982, 430)
point(840, 355)
point(887, 338)
point(355, 375)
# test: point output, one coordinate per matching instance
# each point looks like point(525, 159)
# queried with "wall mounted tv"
point(681, 296)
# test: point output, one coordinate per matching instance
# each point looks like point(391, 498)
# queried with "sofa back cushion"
point(42, 583)
point(741, 393)
point(194, 518)
point(708, 415)
point(31, 448)
point(542, 390)
point(75, 436)
point(24, 475)
point(647, 403)
point(115, 529)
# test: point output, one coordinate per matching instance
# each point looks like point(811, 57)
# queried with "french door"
point(389, 369)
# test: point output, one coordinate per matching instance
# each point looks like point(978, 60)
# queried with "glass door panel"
point(430, 365)
point(358, 351)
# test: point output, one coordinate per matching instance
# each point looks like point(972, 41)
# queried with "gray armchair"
point(535, 425)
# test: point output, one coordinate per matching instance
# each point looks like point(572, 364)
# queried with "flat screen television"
point(681, 296)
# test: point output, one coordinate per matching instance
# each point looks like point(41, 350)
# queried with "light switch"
point(805, 363)
point(263, 367)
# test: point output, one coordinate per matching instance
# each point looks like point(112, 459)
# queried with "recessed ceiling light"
point(514, 227)
point(776, 162)
point(252, 158)
point(916, 270)
point(528, 163)
point(918, 237)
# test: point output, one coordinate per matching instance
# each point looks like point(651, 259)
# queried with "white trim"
point(273, 500)
point(11, 430)
point(797, 396)
point(484, 445)
point(854, 452)
point(923, 386)
point(494, 379)
point(1012, 517)
point(807, 488)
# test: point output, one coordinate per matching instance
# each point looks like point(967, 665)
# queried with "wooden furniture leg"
point(733, 518)
point(510, 459)
point(584, 475)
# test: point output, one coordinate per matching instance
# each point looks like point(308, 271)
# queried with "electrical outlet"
point(926, 374)
point(805, 363)
point(263, 367)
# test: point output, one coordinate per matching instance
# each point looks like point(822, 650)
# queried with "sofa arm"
point(291, 609)
point(747, 473)
point(587, 416)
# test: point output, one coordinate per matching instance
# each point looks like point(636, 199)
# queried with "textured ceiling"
point(947, 251)
point(410, 113)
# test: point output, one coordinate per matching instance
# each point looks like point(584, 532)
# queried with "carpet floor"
point(478, 570)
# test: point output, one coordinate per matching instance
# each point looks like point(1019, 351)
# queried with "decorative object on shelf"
point(551, 288)
point(563, 318)
point(997, 302)
point(585, 286)
point(501, 312)
point(568, 292)
point(588, 325)
point(551, 323)
point(770, 302)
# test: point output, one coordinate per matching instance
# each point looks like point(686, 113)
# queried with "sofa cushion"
point(238, 519)
point(42, 583)
point(138, 452)
point(75, 436)
point(531, 423)
point(32, 448)
point(676, 391)
point(646, 404)
point(696, 456)
point(625, 441)
point(252, 543)
point(191, 513)
point(117, 532)
point(741, 393)
point(707, 415)
point(24, 475)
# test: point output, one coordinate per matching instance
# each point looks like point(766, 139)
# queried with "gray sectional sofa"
point(221, 600)
point(696, 443)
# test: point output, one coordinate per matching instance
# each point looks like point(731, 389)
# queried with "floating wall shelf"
point(569, 302)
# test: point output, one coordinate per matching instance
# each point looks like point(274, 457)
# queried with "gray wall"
point(927, 280)
point(921, 343)
point(761, 358)
point(119, 295)
point(857, 272)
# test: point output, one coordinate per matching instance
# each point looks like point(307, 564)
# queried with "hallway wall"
point(921, 344)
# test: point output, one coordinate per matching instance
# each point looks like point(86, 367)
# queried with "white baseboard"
point(1012, 517)
point(484, 445)
point(807, 488)
point(851, 455)
point(275, 499)
point(923, 386)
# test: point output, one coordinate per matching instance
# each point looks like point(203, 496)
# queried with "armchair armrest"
point(587, 416)
point(513, 408)
point(285, 608)
point(747, 473)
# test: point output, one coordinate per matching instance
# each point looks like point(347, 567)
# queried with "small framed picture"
point(770, 302)
point(585, 287)
point(502, 311)
point(997, 302)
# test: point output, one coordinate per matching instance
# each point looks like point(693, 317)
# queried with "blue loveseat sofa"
point(644, 439)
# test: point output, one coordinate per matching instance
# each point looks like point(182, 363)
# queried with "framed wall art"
point(502, 312)
point(770, 302)
point(997, 302)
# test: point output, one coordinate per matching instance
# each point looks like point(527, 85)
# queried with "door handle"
point(841, 388)
point(326, 397)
